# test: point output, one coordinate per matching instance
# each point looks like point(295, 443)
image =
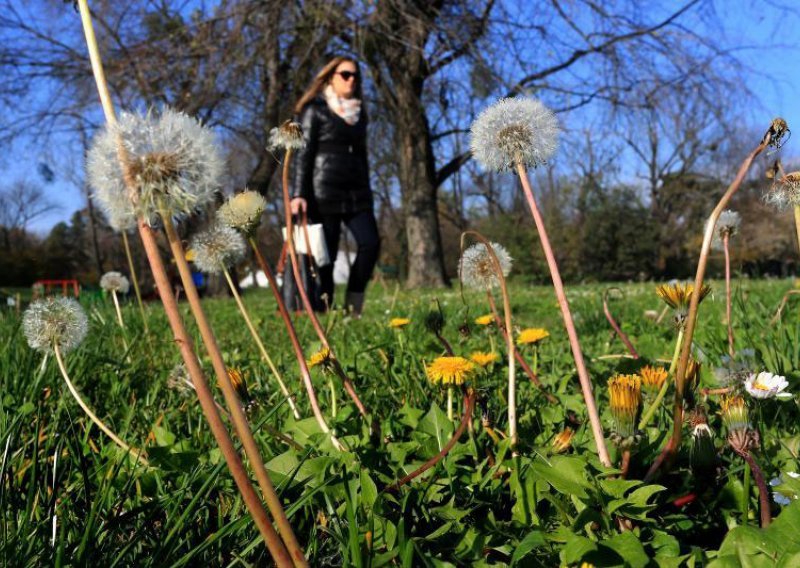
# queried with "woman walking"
point(331, 174)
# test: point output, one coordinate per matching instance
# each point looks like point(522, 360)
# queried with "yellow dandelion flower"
point(449, 370)
point(532, 335)
point(677, 296)
point(399, 322)
point(483, 359)
point(625, 395)
point(321, 357)
point(653, 377)
point(488, 319)
point(563, 441)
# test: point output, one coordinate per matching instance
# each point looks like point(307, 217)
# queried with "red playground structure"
point(47, 287)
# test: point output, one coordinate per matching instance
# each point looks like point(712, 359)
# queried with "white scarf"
point(348, 109)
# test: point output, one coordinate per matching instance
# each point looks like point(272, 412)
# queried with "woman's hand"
point(298, 204)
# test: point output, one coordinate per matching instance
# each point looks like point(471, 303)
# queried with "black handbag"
point(308, 273)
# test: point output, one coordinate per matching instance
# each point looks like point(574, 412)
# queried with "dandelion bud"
point(288, 136)
point(678, 297)
point(514, 131)
point(243, 212)
point(434, 319)
point(625, 395)
point(240, 386)
point(736, 419)
point(54, 322)
point(217, 248)
point(477, 268)
point(702, 452)
point(115, 282)
point(322, 357)
point(563, 441)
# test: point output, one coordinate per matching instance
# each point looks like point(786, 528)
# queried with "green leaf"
point(628, 546)
point(567, 475)
point(436, 424)
point(532, 541)
point(576, 548)
point(369, 491)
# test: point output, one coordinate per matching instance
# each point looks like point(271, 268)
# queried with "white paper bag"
point(316, 239)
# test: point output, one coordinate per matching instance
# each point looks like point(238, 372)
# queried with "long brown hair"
point(323, 78)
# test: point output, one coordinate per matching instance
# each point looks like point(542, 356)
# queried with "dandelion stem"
point(450, 402)
point(728, 315)
point(259, 343)
point(512, 351)
point(240, 424)
point(763, 491)
point(348, 384)
point(298, 349)
point(746, 496)
point(232, 458)
point(533, 375)
point(615, 326)
point(119, 312)
point(135, 280)
point(580, 365)
point(797, 223)
point(645, 421)
point(92, 416)
point(332, 388)
point(671, 449)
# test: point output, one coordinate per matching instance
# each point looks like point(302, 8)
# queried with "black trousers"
point(365, 231)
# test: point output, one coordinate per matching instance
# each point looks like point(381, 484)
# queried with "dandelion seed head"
point(172, 160)
point(55, 321)
point(243, 211)
point(477, 269)
point(115, 282)
point(288, 136)
point(512, 131)
point(727, 225)
point(216, 248)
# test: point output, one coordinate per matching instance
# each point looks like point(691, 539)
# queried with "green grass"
point(481, 506)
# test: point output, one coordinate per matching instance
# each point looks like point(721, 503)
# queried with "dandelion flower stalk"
point(215, 249)
point(135, 279)
point(615, 326)
point(114, 282)
point(276, 548)
point(772, 137)
point(511, 135)
point(57, 326)
point(648, 414)
point(727, 226)
point(288, 136)
point(481, 266)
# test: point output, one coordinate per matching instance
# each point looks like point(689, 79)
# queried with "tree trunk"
point(418, 183)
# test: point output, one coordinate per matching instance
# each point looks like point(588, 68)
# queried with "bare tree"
point(21, 203)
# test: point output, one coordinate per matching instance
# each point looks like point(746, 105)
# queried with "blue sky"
point(765, 35)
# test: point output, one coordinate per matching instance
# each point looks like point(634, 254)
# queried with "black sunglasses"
point(347, 75)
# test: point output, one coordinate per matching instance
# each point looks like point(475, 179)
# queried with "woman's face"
point(344, 79)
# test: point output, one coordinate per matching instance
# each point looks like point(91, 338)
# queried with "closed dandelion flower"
point(288, 136)
point(54, 322)
point(449, 370)
point(532, 335)
point(240, 386)
point(483, 359)
point(488, 319)
point(115, 282)
point(766, 385)
point(398, 323)
point(702, 452)
point(734, 413)
point(477, 268)
point(678, 296)
point(692, 375)
point(625, 398)
point(172, 161)
point(243, 211)
point(653, 377)
point(727, 226)
point(217, 248)
point(563, 441)
point(321, 357)
point(514, 131)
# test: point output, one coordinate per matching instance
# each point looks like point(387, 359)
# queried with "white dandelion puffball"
point(727, 225)
point(217, 248)
point(242, 211)
point(288, 136)
point(172, 161)
point(767, 385)
point(477, 269)
point(115, 282)
point(55, 321)
point(512, 131)
point(784, 192)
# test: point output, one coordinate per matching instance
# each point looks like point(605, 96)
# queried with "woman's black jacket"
point(332, 172)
